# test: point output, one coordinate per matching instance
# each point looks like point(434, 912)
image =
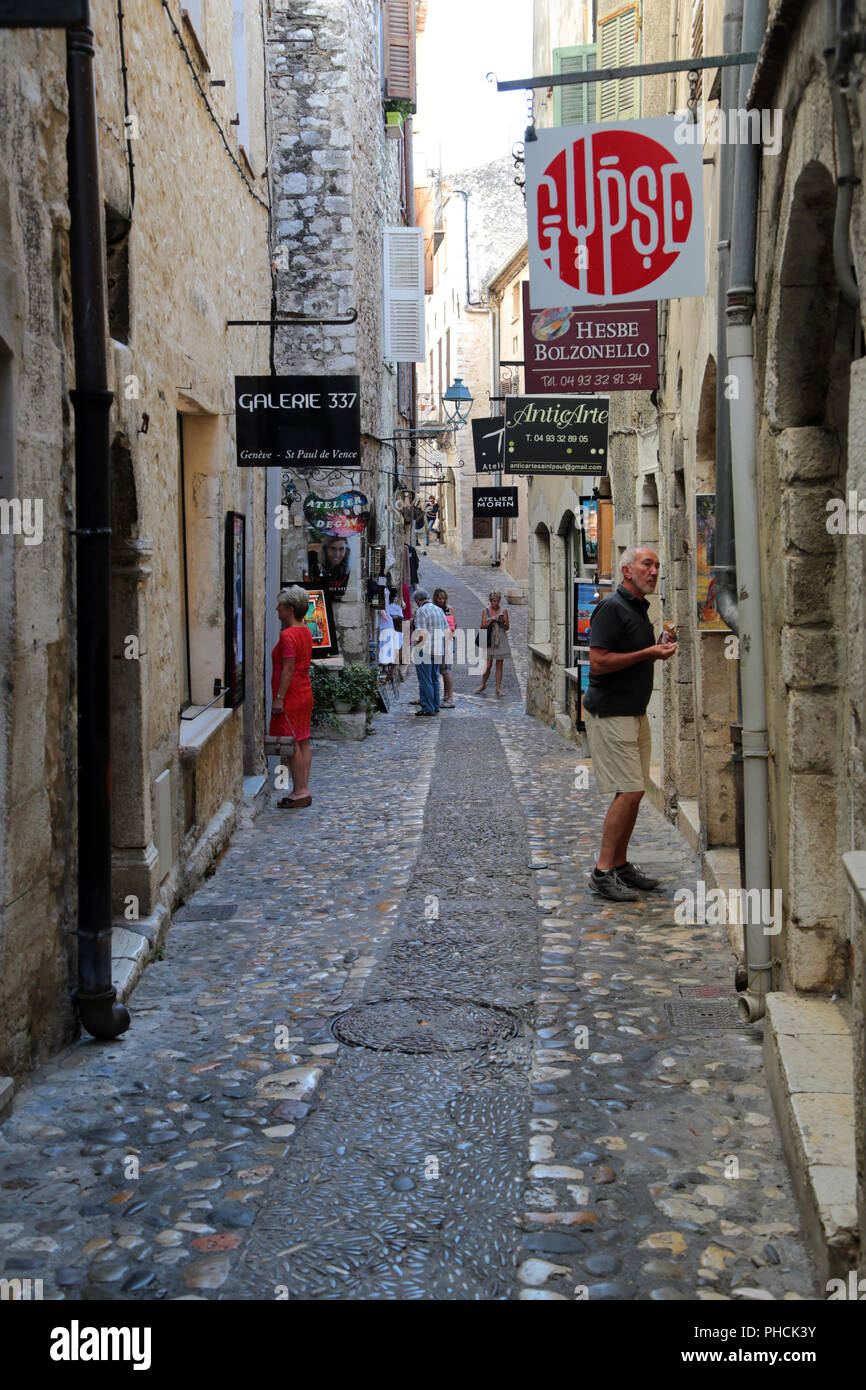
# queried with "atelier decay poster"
point(298, 421)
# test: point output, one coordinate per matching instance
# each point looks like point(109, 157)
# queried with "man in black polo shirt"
point(622, 648)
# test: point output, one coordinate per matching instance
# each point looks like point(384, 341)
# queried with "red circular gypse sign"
point(614, 211)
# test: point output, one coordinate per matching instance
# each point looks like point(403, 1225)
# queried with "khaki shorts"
point(620, 752)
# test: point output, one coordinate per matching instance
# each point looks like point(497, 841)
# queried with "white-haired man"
point(622, 649)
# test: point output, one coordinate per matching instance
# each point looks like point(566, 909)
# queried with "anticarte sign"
point(615, 212)
point(599, 349)
point(548, 434)
point(298, 421)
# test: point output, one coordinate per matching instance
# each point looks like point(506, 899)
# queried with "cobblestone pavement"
point(530, 1111)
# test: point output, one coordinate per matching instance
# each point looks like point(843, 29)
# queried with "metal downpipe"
point(740, 311)
point(95, 996)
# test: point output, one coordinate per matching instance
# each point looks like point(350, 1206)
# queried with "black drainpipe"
point(95, 997)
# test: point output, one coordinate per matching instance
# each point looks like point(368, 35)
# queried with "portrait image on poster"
point(334, 529)
point(589, 530)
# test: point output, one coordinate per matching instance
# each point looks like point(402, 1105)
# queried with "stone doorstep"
point(689, 823)
point(809, 1066)
point(721, 869)
point(134, 946)
point(655, 790)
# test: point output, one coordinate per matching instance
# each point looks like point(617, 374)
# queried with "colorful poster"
point(705, 531)
point(586, 596)
point(344, 515)
point(320, 621)
point(589, 530)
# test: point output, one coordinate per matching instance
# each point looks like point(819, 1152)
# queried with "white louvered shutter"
point(403, 283)
point(619, 47)
point(574, 105)
point(697, 48)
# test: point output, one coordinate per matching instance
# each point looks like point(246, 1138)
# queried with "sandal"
point(289, 803)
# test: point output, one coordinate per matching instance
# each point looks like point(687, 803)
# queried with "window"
point(117, 229)
point(697, 46)
point(403, 284)
point(619, 47)
point(515, 302)
point(182, 646)
point(574, 105)
point(448, 358)
point(398, 42)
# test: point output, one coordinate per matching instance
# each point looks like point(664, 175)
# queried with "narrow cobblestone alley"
point(527, 1101)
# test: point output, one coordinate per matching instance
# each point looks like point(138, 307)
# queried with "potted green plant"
point(324, 696)
point(357, 686)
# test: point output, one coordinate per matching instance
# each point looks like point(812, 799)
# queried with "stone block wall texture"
point(336, 185)
point(198, 255)
point(37, 749)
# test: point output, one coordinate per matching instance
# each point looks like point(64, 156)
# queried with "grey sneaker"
point(633, 877)
point(610, 885)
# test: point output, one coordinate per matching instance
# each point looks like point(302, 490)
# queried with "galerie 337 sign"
point(615, 212)
point(298, 421)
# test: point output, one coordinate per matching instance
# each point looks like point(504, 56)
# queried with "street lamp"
point(458, 402)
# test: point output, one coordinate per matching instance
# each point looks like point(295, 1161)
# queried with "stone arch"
point(539, 587)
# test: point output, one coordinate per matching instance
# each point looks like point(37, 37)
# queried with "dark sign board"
point(556, 434)
point(487, 439)
point(494, 501)
point(39, 14)
point(603, 349)
point(298, 421)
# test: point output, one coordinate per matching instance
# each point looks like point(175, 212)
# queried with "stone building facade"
point(339, 179)
point(182, 172)
point(665, 456)
point(477, 220)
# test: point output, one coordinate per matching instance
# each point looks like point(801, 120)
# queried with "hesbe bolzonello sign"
point(615, 212)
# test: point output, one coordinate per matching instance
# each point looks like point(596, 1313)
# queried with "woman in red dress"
point(292, 691)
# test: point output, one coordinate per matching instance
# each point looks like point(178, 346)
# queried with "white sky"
point(459, 110)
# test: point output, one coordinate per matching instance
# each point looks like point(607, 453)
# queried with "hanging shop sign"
point(487, 441)
point(615, 213)
point(601, 349)
point(494, 501)
point(39, 14)
point(301, 422)
point(556, 434)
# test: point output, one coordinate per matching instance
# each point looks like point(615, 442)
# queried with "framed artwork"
point(235, 604)
point(586, 596)
point(320, 621)
point(709, 619)
point(589, 531)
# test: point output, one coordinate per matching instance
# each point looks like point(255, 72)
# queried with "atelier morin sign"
point(494, 501)
point(298, 421)
point(487, 441)
point(556, 434)
point(611, 348)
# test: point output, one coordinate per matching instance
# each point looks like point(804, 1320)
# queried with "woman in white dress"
point(495, 623)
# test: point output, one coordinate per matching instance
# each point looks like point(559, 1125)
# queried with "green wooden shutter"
point(619, 47)
point(574, 105)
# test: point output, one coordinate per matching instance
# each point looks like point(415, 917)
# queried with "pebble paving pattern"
point(229, 1146)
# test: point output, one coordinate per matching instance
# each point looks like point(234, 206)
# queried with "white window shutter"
point(403, 282)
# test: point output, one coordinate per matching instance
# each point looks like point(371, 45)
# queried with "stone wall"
point(336, 184)
point(37, 748)
point(197, 252)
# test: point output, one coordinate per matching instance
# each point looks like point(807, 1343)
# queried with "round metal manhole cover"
point(425, 1025)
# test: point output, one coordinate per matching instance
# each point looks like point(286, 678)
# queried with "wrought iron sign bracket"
point(567, 79)
point(300, 319)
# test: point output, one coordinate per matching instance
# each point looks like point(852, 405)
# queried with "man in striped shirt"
point(429, 650)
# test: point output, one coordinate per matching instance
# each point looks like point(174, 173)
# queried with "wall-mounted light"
point(458, 402)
